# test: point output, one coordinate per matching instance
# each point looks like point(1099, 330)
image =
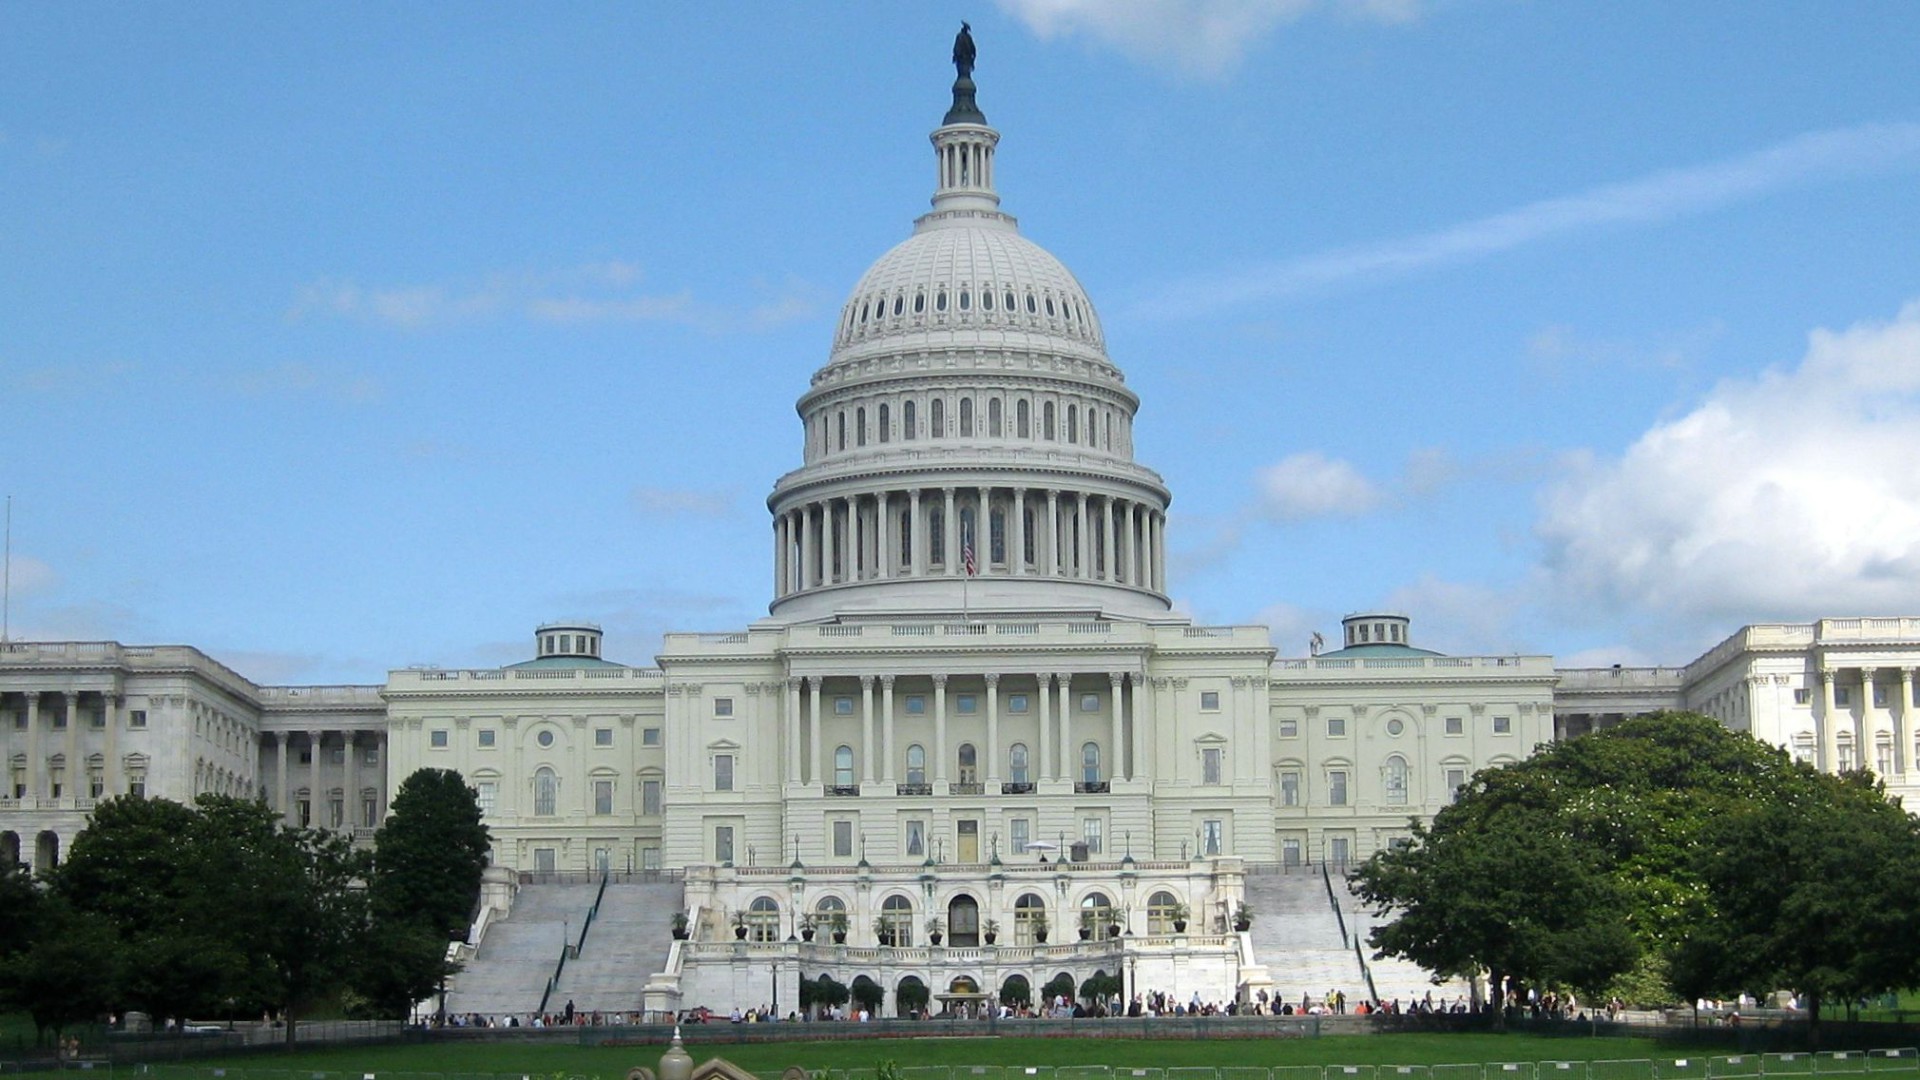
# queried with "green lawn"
point(768, 1059)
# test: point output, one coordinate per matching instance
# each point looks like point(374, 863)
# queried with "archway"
point(1016, 991)
point(963, 922)
point(9, 849)
point(910, 996)
point(46, 852)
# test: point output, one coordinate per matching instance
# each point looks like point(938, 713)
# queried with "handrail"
point(592, 914)
point(1327, 879)
point(553, 982)
point(1366, 971)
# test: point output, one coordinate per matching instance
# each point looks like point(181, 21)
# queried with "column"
point(35, 764)
point(1139, 756)
point(1106, 541)
point(1017, 533)
point(1126, 545)
point(793, 731)
point(110, 758)
point(813, 733)
point(1052, 555)
point(280, 777)
point(807, 580)
point(1903, 724)
point(827, 545)
point(380, 778)
point(1066, 726)
point(866, 729)
point(917, 545)
point(316, 797)
point(993, 735)
point(950, 529)
point(76, 768)
point(1863, 728)
point(886, 730)
point(983, 529)
point(940, 734)
point(1829, 726)
point(1157, 524)
point(1117, 748)
point(779, 559)
point(350, 783)
point(1043, 690)
point(888, 542)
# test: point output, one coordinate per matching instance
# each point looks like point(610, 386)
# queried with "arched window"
point(919, 303)
point(843, 430)
point(1022, 420)
point(1073, 423)
point(937, 419)
point(908, 425)
point(843, 766)
point(993, 418)
point(546, 792)
point(763, 919)
point(916, 764)
point(1046, 421)
point(1394, 778)
point(860, 426)
point(886, 423)
point(1097, 916)
point(1029, 919)
point(1090, 762)
point(830, 915)
point(906, 538)
point(1026, 536)
point(899, 301)
point(966, 416)
point(896, 921)
point(1162, 907)
point(969, 764)
point(997, 536)
point(963, 916)
point(1017, 763)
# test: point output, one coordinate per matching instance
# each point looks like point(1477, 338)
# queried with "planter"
point(936, 936)
point(1040, 937)
point(739, 933)
point(679, 935)
point(839, 937)
point(1086, 932)
point(1114, 930)
point(992, 937)
point(807, 934)
point(1179, 926)
point(1240, 926)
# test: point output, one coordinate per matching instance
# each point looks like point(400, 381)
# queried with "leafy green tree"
point(1099, 987)
point(1060, 986)
point(867, 994)
point(427, 862)
point(911, 995)
point(830, 992)
point(68, 974)
point(1815, 890)
point(1016, 991)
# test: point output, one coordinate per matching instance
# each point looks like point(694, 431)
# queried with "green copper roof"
point(1377, 650)
point(564, 662)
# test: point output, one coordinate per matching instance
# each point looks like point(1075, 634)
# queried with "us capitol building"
point(971, 710)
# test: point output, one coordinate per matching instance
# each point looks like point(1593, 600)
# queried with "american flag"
point(966, 556)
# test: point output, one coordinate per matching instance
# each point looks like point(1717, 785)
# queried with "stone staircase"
point(627, 944)
point(1296, 936)
point(1394, 978)
point(511, 968)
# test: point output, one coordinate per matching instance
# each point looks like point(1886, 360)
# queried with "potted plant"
point(806, 927)
point(1120, 917)
point(990, 929)
point(1242, 918)
point(1086, 924)
point(1179, 915)
point(837, 926)
point(680, 926)
point(739, 925)
point(936, 929)
point(1040, 926)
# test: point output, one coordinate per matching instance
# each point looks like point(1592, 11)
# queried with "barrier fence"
point(1877, 1063)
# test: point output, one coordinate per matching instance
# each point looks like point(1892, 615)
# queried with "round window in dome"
point(899, 302)
point(545, 738)
point(1395, 726)
point(940, 300)
point(966, 300)
point(919, 302)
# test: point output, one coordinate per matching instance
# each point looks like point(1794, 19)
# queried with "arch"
point(763, 919)
point(1046, 421)
point(1090, 762)
point(46, 851)
point(1097, 917)
point(860, 426)
point(1016, 991)
point(1029, 919)
point(9, 850)
point(1163, 910)
point(546, 791)
point(896, 921)
point(1073, 423)
point(910, 995)
point(867, 994)
point(916, 764)
point(1393, 780)
point(993, 417)
point(963, 922)
point(842, 439)
point(843, 766)
point(968, 760)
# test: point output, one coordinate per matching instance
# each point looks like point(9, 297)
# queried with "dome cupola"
point(968, 444)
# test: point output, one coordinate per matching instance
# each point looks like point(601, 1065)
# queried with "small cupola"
point(567, 639)
point(1375, 628)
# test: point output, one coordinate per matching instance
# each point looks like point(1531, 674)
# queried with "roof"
point(1376, 649)
point(564, 662)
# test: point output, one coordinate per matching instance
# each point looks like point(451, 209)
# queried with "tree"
point(1099, 987)
point(70, 972)
point(427, 862)
point(911, 995)
point(829, 992)
point(867, 994)
point(1814, 890)
point(1060, 986)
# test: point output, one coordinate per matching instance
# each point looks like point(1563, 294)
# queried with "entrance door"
point(969, 833)
point(963, 922)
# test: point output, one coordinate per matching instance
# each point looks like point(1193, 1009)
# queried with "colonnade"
point(885, 728)
point(56, 761)
point(353, 811)
point(1847, 732)
point(920, 533)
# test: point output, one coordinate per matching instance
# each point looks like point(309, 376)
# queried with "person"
point(569, 1011)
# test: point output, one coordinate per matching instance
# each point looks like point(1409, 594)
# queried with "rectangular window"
point(1290, 788)
point(1456, 779)
point(335, 812)
point(603, 796)
point(843, 706)
point(843, 839)
point(485, 792)
point(1089, 702)
point(1456, 725)
point(97, 785)
point(137, 718)
point(544, 861)
point(723, 706)
point(916, 704)
point(137, 787)
point(1337, 726)
point(1210, 765)
point(650, 797)
point(1803, 696)
point(916, 837)
point(1289, 728)
point(723, 772)
point(1336, 787)
point(1016, 703)
point(486, 737)
point(649, 858)
point(1879, 697)
point(1339, 850)
point(1842, 696)
point(723, 843)
point(603, 736)
point(436, 739)
point(338, 755)
point(373, 755)
point(1090, 832)
point(966, 703)
point(99, 719)
point(1290, 852)
point(1019, 830)
point(650, 736)
point(1212, 837)
point(369, 813)
point(1503, 725)
point(1210, 700)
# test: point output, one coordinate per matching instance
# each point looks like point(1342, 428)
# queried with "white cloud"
point(1786, 496)
point(676, 502)
point(307, 381)
point(30, 575)
point(1460, 618)
point(1208, 38)
point(1291, 627)
point(1309, 485)
point(1819, 155)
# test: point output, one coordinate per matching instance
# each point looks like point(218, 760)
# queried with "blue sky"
point(336, 338)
